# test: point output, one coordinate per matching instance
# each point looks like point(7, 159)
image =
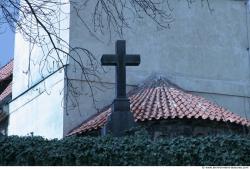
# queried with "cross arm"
point(109, 60)
point(133, 60)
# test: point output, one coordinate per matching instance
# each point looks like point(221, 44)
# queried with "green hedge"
point(129, 150)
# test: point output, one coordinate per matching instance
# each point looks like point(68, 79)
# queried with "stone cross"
point(120, 60)
point(121, 118)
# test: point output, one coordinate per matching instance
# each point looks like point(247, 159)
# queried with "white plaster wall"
point(31, 63)
point(40, 110)
point(37, 91)
point(199, 45)
point(202, 52)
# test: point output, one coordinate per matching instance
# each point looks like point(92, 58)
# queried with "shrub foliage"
point(128, 150)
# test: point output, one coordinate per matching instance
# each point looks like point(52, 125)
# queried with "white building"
point(204, 51)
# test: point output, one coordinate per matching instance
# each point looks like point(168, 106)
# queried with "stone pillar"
point(121, 118)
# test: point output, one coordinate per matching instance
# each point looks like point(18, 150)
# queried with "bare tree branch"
point(38, 20)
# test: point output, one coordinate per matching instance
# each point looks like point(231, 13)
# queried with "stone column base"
point(119, 123)
point(121, 104)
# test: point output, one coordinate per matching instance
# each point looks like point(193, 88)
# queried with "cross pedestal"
point(121, 117)
point(121, 104)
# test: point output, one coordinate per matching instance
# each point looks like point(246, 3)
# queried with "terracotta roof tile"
point(95, 122)
point(157, 98)
point(6, 70)
point(7, 91)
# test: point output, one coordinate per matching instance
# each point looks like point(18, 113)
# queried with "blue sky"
point(6, 44)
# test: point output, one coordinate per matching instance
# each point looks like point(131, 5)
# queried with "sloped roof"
point(157, 99)
point(6, 70)
point(7, 91)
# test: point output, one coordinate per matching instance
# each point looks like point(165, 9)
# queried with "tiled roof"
point(7, 91)
point(159, 99)
point(6, 70)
